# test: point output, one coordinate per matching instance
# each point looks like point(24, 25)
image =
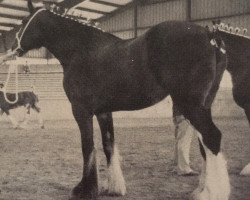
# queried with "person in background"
point(183, 135)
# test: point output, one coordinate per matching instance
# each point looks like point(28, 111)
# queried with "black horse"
point(103, 73)
point(237, 45)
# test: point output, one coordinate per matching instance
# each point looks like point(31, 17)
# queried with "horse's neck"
point(238, 50)
point(72, 39)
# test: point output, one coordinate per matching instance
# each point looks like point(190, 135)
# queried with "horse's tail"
point(35, 97)
point(221, 63)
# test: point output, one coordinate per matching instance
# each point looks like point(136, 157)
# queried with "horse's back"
point(28, 97)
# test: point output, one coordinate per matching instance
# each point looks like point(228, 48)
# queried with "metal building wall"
point(122, 21)
point(201, 9)
point(235, 12)
point(149, 15)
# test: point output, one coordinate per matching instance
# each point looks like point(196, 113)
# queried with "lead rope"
point(12, 69)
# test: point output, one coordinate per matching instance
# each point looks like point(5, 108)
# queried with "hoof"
point(82, 193)
point(83, 196)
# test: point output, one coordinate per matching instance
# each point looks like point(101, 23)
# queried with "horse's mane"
point(79, 20)
point(230, 30)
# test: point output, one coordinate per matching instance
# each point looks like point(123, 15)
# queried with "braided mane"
point(56, 10)
point(231, 30)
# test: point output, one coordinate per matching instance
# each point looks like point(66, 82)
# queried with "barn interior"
point(47, 163)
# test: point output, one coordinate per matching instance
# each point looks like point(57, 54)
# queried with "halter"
point(12, 69)
point(26, 26)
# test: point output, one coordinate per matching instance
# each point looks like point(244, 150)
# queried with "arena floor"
point(45, 164)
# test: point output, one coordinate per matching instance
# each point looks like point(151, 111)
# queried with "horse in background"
point(103, 74)
point(238, 53)
point(28, 99)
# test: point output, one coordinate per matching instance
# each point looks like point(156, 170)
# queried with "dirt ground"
point(38, 164)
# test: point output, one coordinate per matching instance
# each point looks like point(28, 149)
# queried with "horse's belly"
point(131, 101)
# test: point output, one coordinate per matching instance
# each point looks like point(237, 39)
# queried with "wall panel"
point(120, 21)
point(149, 15)
point(216, 8)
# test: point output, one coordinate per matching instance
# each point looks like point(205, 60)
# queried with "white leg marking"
point(13, 121)
point(92, 163)
point(116, 182)
point(184, 135)
point(26, 119)
point(201, 185)
point(216, 183)
point(246, 170)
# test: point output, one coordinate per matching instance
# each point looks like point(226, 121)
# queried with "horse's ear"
point(30, 6)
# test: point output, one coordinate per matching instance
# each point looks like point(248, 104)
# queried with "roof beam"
point(11, 16)
point(120, 10)
point(13, 12)
point(19, 4)
point(7, 25)
point(92, 10)
point(13, 7)
point(106, 3)
point(69, 3)
point(6, 28)
point(10, 21)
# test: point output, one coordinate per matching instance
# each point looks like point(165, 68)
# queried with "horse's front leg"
point(88, 186)
point(116, 183)
point(12, 119)
point(26, 117)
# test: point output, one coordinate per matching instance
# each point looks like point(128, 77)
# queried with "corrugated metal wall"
point(235, 12)
point(121, 21)
point(149, 15)
point(216, 8)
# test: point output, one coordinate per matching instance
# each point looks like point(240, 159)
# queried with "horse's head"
point(30, 34)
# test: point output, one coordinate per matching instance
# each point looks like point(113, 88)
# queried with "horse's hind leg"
point(214, 184)
point(116, 183)
point(40, 118)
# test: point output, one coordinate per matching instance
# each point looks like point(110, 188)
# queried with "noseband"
point(19, 38)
